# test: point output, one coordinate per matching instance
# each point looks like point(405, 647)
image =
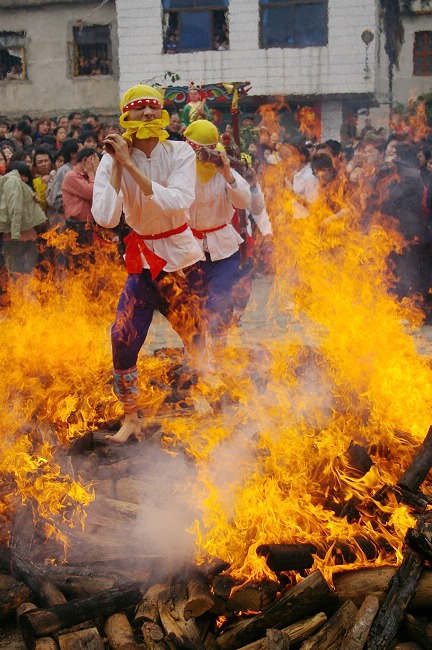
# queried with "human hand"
point(118, 148)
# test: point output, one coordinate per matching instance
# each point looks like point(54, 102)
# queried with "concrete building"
point(321, 61)
point(45, 46)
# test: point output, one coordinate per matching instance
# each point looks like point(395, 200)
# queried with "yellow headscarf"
point(143, 130)
point(203, 132)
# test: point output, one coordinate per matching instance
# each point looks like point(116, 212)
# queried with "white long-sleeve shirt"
point(171, 167)
point(213, 207)
point(259, 213)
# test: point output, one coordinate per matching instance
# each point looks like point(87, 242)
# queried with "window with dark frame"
point(422, 58)
point(194, 25)
point(293, 23)
point(12, 56)
point(91, 52)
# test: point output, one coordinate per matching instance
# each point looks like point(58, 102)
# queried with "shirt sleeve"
point(107, 204)
point(14, 198)
point(239, 192)
point(257, 204)
point(179, 193)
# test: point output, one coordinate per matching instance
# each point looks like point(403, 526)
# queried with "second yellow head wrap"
point(134, 98)
point(203, 132)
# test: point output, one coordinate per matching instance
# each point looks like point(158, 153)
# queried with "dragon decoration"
point(213, 93)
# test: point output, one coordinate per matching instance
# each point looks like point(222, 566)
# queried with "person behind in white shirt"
point(219, 189)
point(304, 183)
point(152, 180)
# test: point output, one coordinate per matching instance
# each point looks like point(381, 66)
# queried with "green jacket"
point(18, 209)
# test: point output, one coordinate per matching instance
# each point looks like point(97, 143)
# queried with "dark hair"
point(57, 154)
point(94, 116)
point(23, 169)
point(335, 146)
point(43, 151)
point(406, 152)
point(24, 127)
point(85, 153)
point(304, 151)
point(89, 134)
point(47, 140)
point(72, 115)
point(69, 147)
point(322, 163)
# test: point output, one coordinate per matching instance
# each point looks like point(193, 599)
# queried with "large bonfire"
point(273, 467)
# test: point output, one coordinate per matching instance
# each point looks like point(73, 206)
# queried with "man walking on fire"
point(152, 180)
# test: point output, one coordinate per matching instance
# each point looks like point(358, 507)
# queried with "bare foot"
point(131, 427)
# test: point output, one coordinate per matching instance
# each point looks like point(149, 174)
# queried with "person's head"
point(87, 157)
point(423, 155)
point(8, 150)
point(89, 139)
point(274, 138)
point(248, 120)
point(42, 162)
point(63, 122)
point(47, 142)
point(93, 120)
point(264, 135)
point(406, 153)
point(4, 128)
point(202, 132)
point(175, 123)
point(74, 132)
point(70, 149)
point(323, 170)
point(334, 147)
point(193, 93)
point(43, 126)
point(229, 129)
point(304, 155)
point(22, 129)
point(60, 134)
point(58, 159)
point(75, 119)
point(23, 170)
point(2, 163)
point(143, 116)
point(113, 128)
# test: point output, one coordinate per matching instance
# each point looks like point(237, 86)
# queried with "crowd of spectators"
point(43, 152)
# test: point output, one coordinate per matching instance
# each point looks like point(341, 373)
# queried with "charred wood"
point(45, 592)
point(23, 528)
point(359, 461)
point(287, 557)
point(54, 619)
point(331, 634)
point(277, 640)
point(153, 636)
point(356, 636)
point(401, 590)
point(83, 586)
point(12, 597)
point(119, 633)
point(253, 597)
point(419, 466)
point(297, 632)
point(311, 595)
point(418, 630)
point(419, 543)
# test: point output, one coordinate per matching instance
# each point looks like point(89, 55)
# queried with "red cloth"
point(199, 234)
point(135, 245)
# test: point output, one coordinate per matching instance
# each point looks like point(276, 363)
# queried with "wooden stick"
point(148, 609)
point(88, 639)
point(180, 632)
point(119, 633)
point(308, 597)
point(287, 557)
point(11, 598)
point(45, 592)
point(356, 636)
point(331, 634)
point(277, 640)
point(54, 619)
point(297, 632)
point(419, 466)
point(200, 599)
point(402, 589)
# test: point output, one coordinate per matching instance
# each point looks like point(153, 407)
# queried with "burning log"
point(358, 459)
point(356, 636)
point(43, 622)
point(419, 466)
point(311, 595)
point(88, 639)
point(402, 588)
point(180, 632)
point(253, 597)
point(331, 634)
point(12, 597)
point(419, 543)
point(119, 633)
point(287, 557)
point(45, 592)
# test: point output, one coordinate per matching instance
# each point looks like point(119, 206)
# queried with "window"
point(12, 56)
point(293, 23)
point(90, 52)
point(422, 53)
point(192, 25)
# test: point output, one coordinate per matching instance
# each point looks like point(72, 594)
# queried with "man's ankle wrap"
point(126, 388)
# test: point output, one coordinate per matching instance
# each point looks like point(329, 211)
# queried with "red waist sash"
point(199, 234)
point(135, 246)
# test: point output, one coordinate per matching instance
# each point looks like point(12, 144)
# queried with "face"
point(274, 138)
point(76, 120)
point(175, 123)
point(8, 153)
point(91, 120)
point(44, 128)
point(28, 161)
point(63, 121)
point(421, 158)
point(324, 176)
point(59, 162)
point(3, 129)
point(61, 134)
point(43, 164)
point(390, 152)
point(144, 114)
point(90, 142)
point(194, 95)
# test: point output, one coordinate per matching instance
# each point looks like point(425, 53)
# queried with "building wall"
point(50, 89)
point(315, 71)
